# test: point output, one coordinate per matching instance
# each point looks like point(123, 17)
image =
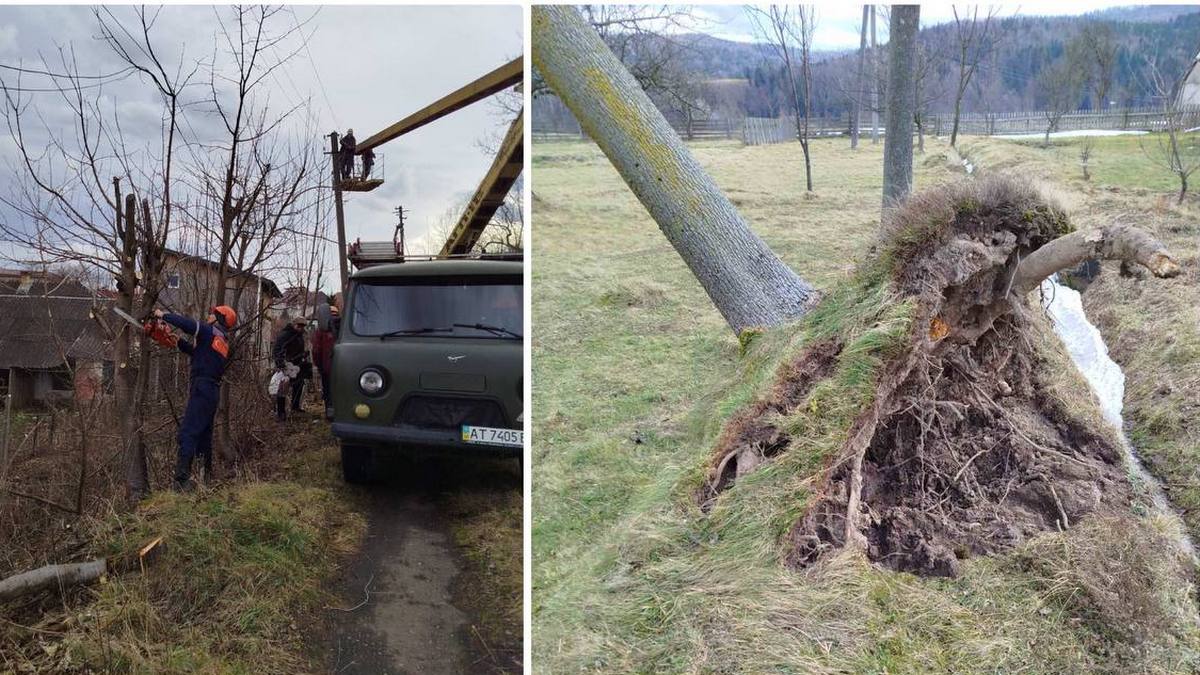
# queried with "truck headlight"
point(371, 382)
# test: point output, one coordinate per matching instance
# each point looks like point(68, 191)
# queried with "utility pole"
point(399, 234)
point(337, 207)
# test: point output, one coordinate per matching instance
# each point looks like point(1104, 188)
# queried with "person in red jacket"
point(322, 345)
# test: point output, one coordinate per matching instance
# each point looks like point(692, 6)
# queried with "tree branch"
point(1112, 242)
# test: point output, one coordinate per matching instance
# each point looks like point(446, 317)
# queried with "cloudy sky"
point(838, 23)
point(365, 67)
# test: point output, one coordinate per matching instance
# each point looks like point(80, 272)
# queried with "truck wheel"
point(358, 463)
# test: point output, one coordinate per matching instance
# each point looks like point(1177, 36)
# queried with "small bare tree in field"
point(1173, 149)
point(1086, 145)
point(789, 32)
point(1059, 86)
point(974, 40)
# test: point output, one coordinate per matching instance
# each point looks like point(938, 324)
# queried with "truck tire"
point(358, 463)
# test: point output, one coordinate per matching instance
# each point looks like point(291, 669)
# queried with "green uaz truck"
point(429, 359)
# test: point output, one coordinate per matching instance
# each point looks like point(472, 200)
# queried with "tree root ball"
point(964, 451)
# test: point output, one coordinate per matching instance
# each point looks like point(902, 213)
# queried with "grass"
point(239, 571)
point(487, 523)
point(1152, 327)
point(247, 568)
point(634, 373)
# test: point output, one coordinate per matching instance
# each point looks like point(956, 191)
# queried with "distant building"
point(50, 348)
point(189, 284)
point(1189, 93)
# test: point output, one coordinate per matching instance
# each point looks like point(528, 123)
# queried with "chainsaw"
point(157, 329)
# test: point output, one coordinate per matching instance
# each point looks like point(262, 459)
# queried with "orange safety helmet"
point(226, 314)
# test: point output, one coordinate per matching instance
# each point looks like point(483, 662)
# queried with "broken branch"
point(69, 574)
point(1112, 242)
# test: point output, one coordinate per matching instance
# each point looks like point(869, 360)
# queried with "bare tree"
point(505, 233)
point(1086, 145)
point(1172, 149)
point(241, 191)
point(974, 42)
point(902, 72)
point(1059, 86)
point(1101, 46)
point(789, 32)
point(926, 89)
point(79, 219)
point(860, 83)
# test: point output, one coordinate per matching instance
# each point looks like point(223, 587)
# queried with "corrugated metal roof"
point(43, 331)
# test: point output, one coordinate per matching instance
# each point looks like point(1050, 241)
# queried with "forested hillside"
point(730, 78)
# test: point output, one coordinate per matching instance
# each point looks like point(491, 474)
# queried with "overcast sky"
point(838, 23)
point(365, 67)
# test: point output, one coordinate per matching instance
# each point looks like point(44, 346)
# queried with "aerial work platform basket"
point(360, 180)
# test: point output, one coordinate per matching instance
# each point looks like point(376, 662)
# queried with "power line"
point(324, 94)
point(32, 71)
point(62, 90)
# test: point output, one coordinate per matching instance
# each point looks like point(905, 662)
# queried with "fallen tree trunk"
point(67, 574)
point(1112, 242)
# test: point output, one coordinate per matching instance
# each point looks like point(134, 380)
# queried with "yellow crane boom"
point(499, 79)
point(510, 159)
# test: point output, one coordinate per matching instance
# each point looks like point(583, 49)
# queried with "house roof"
point(48, 324)
point(269, 287)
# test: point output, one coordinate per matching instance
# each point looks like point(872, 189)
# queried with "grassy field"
point(1152, 327)
point(634, 372)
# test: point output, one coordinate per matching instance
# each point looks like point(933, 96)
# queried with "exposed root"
point(962, 451)
point(753, 436)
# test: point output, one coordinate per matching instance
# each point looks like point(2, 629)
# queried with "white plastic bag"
point(279, 381)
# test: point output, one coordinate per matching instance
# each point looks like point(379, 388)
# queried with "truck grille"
point(444, 412)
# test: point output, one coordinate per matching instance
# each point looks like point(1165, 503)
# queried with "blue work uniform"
point(208, 347)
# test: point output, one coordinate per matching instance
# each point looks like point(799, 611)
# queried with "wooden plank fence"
point(1146, 118)
point(768, 130)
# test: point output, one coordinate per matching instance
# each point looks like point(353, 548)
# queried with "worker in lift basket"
point(209, 352)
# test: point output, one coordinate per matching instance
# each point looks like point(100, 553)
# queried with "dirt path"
point(402, 609)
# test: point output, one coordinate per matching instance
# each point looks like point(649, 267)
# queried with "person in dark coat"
point(368, 163)
point(208, 348)
point(289, 347)
point(347, 152)
point(323, 340)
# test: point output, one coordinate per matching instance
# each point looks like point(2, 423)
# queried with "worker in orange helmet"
point(208, 346)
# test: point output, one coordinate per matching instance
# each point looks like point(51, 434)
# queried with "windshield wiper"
point(414, 331)
point(495, 330)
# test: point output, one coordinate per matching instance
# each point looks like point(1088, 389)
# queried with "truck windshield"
point(458, 307)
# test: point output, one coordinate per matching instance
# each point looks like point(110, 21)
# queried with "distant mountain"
point(1006, 81)
point(1144, 13)
point(723, 59)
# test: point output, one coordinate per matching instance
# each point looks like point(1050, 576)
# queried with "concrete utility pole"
point(337, 207)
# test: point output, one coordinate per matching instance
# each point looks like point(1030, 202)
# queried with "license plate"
point(492, 436)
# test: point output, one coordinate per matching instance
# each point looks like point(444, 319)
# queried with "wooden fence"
point(1148, 118)
point(767, 130)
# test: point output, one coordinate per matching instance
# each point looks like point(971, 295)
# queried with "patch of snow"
point(1087, 348)
point(968, 166)
point(1090, 355)
point(1076, 133)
